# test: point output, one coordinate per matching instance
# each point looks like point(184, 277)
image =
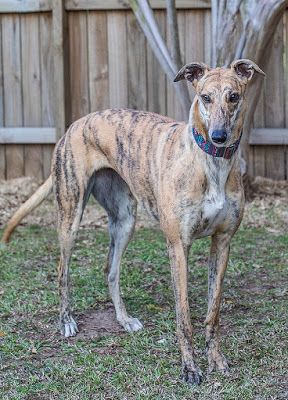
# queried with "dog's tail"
point(29, 205)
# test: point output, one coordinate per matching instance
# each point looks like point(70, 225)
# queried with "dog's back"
point(138, 145)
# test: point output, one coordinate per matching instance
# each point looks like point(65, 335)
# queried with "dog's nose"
point(219, 136)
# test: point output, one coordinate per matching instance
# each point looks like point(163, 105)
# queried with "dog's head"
point(220, 102)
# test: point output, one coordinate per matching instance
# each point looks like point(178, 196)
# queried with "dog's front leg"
point(178, 258)
point(219, 255)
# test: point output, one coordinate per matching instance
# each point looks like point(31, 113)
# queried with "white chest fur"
point(213, 207)
point(212, 204)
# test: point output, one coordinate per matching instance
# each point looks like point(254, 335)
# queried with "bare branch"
point(148, 24)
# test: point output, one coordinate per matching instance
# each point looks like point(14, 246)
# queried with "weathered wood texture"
point(122, 5)
point(26, 99)
point(110, 64)
point(25, 6)
point(267, 159)
point(12, 78)
point(30, 135)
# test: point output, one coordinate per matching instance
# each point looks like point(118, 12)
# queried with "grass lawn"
point(104, 362)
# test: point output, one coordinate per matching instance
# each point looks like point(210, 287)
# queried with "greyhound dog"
point(186, 176)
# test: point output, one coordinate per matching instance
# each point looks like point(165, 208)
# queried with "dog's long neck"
point(216, 169)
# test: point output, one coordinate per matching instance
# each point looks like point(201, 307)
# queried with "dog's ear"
point(245, 69)
point(193, 72)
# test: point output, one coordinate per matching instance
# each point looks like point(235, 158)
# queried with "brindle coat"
point(125, 157)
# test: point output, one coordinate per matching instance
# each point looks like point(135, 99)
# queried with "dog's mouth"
point(219, 143)
point(221, 137)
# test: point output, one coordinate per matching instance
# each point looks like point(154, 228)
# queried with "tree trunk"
point(245, 29)
point(240, 29)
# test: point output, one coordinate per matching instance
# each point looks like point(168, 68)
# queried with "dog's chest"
point(202, 218)
point(212, 205)
point(212, 210)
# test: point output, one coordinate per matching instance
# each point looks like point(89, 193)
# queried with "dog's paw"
point(217, 361)
point(191, 374)
point(131, 324)
point(69, 328)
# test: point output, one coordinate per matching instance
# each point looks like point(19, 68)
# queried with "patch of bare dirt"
point(268, 207)
point(92, 324)
point(97, 323)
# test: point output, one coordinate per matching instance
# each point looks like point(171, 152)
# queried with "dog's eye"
point(234, 97)
point(206, 98)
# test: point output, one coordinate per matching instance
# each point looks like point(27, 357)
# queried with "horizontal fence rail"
point(119, 5)
point(29, 6)
point(28, 135)
point(269, 136)
point(25, 6)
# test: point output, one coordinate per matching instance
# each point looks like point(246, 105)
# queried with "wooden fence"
point(62, 60)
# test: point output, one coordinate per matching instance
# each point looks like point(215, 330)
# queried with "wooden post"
point(61, 72)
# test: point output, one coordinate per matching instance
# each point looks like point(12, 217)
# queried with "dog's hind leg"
point(120, 231)
point(67, 228)
point(70, 201)
point(115, 196)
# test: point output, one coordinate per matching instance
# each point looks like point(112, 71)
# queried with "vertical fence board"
point(61, 71)
point(2, 162)
point(98, 61)
point(182, 39)
point(258, 153)
point(156, 79)
point(117, 59)
point(2, 147)
point(12, 84)
point(12, 70)
point(274, 110)
point(258, 156)
point(207, 37)
point(30, 49)
point(47, 157)
point(46, 64)
point(194, 48)
point(78, 64)
point(32, 106)
point(174, 109)
point(136, 57)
